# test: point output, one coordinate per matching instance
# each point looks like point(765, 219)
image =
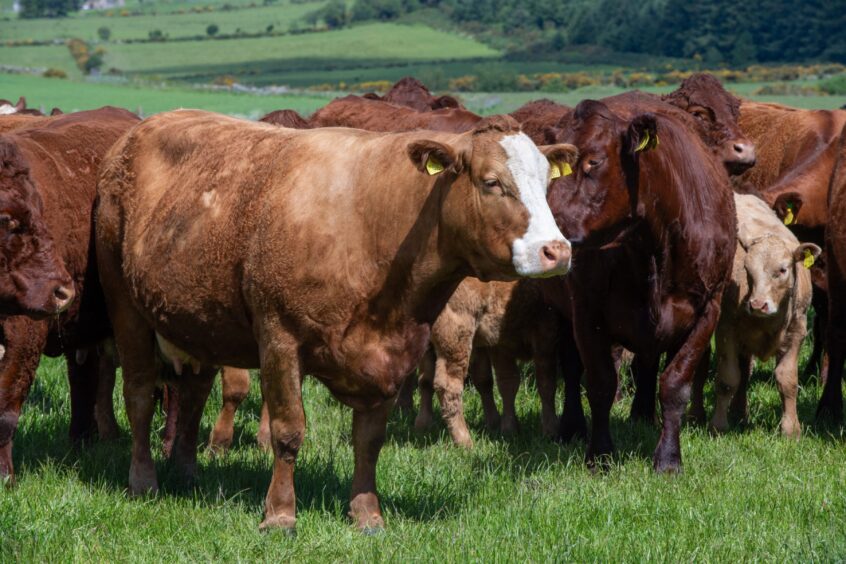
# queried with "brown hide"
point(375, 115)
point(831, 401)
point(327, 251)
point(657, 231)
point(62, 155)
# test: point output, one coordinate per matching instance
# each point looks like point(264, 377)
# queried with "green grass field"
point(748, 495)
point(175, 25)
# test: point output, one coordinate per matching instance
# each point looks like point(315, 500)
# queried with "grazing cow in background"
point(716, 112)
point(375, 115)
point(831, 402)
point(286, 118)
point(796, 157)
point(47, 189)
point(653, 226)
point(412, 93)
point(764, 310)
point(371, 234)
point(537, 116)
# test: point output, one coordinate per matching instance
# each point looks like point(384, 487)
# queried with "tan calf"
point(499, 322)
point(764, 309)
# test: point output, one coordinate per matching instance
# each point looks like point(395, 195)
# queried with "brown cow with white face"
point(334, 251)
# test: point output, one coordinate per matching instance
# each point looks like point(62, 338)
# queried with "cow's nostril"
point(549, 254)
point(63, 296)
point(738, 148)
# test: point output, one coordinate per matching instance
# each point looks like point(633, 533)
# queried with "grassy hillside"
point(748, 495)
point(175, 25)
point(362, 46)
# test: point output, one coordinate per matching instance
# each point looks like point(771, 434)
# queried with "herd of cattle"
point(383, 233)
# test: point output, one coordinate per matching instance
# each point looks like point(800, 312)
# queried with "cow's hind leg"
point(235, 383)
point(645, 375)
point(281, 388)
point(369, 429)
point(508, 382)
point(572, 423)
point(194, 391)
point(426, 386)
point(405, 399)
point(482, 377)
point(104, 408)
point(83, 381)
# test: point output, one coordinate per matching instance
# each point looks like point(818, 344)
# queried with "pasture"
point(748, 495)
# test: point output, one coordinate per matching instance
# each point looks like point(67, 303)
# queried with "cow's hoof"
point(462, 438)
point(571, 428)
point(284, 523)
point(492, 422)
point(791, 429)
point(717, 428)
point(370, 524)
point(142, 488)
point(509, 426)
point(422, 422)
point(373, 531)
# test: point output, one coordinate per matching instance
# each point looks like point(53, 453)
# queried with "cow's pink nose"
point(62, 297)
point(759, 305)
point(745, 152)
point(555, 257)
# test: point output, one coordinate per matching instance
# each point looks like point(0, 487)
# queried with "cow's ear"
point(807, 254)
point(433, 157)
point(787, 207)
point(642, 134)
point(562, 157)
point(445, 101)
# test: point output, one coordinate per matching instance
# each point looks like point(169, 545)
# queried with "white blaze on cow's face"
point(7, 109)
point(542, 250)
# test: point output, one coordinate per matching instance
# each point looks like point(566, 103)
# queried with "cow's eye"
point(9, 224)
point(493, 186)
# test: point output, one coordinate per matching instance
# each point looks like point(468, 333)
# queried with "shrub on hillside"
point(104, 33)
point(212, 30)
point(54, 73)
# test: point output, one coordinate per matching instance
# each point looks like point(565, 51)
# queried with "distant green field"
point(372, 44)
point(73, 95)
point(70, 96)
point(85, 26)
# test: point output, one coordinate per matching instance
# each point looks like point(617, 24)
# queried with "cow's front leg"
point(194, 391)
point(369, 429)
point(281, 388)
point(787, 377)
point(24, 341)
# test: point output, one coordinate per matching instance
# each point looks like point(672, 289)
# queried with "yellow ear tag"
point(643, 143)
point(554, 171)
point(433, 166)
point(809, 259)
point(566, 170)
point(788, 217)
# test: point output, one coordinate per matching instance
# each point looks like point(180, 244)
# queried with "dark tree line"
point(48, 8)
point(717, 31)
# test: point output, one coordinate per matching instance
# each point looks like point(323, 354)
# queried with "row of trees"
point(717, 31)
point(48, 8)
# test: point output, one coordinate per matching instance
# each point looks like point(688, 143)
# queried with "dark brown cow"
point(654, 225)
point(831, 402)
point(375, 115)
point(369, 233)
point(50, 170)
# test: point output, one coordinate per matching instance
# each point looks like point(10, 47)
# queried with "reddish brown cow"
point(375, 115)
point(655, 232)
point(286, 118)
point(831, 402)
point(371, 233)
point(538, 116)
point(47, 190)
point(412, 93)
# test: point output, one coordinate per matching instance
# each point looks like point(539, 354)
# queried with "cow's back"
point(209, 234)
